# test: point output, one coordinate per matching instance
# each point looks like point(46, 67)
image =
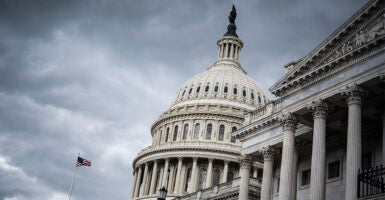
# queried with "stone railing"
point(262, 112)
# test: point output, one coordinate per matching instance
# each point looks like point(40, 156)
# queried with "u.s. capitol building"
point(323, 137)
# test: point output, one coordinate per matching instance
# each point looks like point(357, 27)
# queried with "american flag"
point(83, 162)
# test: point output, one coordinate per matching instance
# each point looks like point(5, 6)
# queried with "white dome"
point(224, 83)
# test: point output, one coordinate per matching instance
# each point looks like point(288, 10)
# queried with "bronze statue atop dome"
point(231, 28)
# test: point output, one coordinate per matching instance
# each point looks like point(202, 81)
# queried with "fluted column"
point(165, 170)
point(295, 174)
point(194, 174)
point(267, 178)
point(209, 179)
point(178, 174)
point(245, 162)
point(137, 186)
point(153, 177)
point(285, 186)
point(232, 50)
point(225, 171)
point(144, 180)
point(317, 178)
point(134, 183)
point(353, 96)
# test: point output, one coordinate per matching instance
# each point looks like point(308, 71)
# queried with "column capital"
point(211, 160)
point(245, 161)
point(268, 152)
point(195, 159)
point(167, 159)
point(289, 121)
point(353, 94)
point(146, 164)
point(155, 161)
point(180, 158)
point(226, 162)
point(319, 108)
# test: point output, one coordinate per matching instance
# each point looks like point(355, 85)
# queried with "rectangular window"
point(366, 161)
point(334, 169)
point(277, 184)
point(305, 177)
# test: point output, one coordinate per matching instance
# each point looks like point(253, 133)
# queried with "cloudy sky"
point(92, 76)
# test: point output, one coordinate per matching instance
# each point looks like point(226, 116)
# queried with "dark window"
point(184, 91)
point(187, 186)
point(244, 93)
point(221, 133)
point(305, 178)
point(235, 91)
point(230, 176)
point(190, 91)
point(208, 131)
point(175, 133)
point(366, 161)
point(278, 182)
point(198, 89)
point(202, 178)
point(168, 131)
point(207, 88)
point(216, 176)
point(334, 169)
point(196, 131)
point(252, 96)
point(185, 131)
point(216, 88)
point(232, 140)
point(225, 89)
point(259, 99)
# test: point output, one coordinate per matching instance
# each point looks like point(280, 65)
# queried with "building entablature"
point(361, 37)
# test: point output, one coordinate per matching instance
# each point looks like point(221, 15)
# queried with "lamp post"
point(162, 193)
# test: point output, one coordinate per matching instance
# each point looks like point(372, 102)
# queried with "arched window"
point(207, 88)
point(232, 140)
point(187, 186)
point(225, 89)
point(252, 96)
point(196, 131)
point(160, 136)
point(175, 133)
point(244, 93)
point(230, 176)
point(259, 99)
point(198, 89)
point(221, 133)
point(216, 176)
point(184, 91)
point(167, 132)
point(209, 129)
point(185, 131)
point(189, 92)
point(202, 178)
point(216, 88)
point(235, 90)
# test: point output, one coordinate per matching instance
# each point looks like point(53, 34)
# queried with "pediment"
point(363, 35)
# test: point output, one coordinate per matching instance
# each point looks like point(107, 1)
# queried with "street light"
point(162, 193)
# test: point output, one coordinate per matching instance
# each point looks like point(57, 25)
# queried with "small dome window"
point(225, 89)
point(252, 96)
point(235, 91)
point(198, 89)
point(221, 133)
point(259, 99)
point(216, 88)
point(184, 91)
point(207, 88)
point(232, 139)
point(189, 92)
point(244, 93)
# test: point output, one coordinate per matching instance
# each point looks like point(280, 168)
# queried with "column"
point(209, 178)
point(317, 177)
point(194, 174)
point(245, 162)
point(225, 171)
point(236, 52)
point(295, 175)
point(226, 50)
point(178, 174)
point(144, 180)
point(170, 179)
point(134, 183)
point(137, 186)
point(153, 177)
point(165, 170)
point(255, 172)
point(383, 138)
point(353, 96)
point(267, 178)
point(286, 174)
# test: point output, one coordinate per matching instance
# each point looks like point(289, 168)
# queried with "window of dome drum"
point(187, 186)
point(259, 99)
point(235, 91)
point(225, 89)
point(196, 131)
point(198, 89)
point(244, 93)
point(202, 178)
point(216, 176)
point(185, 131)
point(168, 131)
point(252, 96)
point(221, 132)
point(207, 88)
point(216, 88)
point(175, 133)
point(230, 176)
point(208, 131)
point(184, 91)
point(189, 92)
point(232, 139)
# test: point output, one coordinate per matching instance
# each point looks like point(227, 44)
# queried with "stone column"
point(194, 174)
point(144, 180)
point(171, 179)
point(165, 170)
point(153, 177)
point(137, 186)
point(353, 96)
point(267, 179)
point(232, 50)
point(225, 171)
point(285, 186)
point(295, 175)
point(383, 138)
point(134, 183)
point(255, 172)
point(178, 174)
point(245, 162)
point(236, 52)
point(317, 180)
point(209, 179)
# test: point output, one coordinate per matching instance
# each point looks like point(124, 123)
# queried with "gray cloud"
point(92, 76)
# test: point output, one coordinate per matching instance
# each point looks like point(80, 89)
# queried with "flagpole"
point(73, 180)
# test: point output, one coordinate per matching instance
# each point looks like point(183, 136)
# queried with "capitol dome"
point(192, 148)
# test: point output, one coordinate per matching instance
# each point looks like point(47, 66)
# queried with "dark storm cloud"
point(92, 76)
